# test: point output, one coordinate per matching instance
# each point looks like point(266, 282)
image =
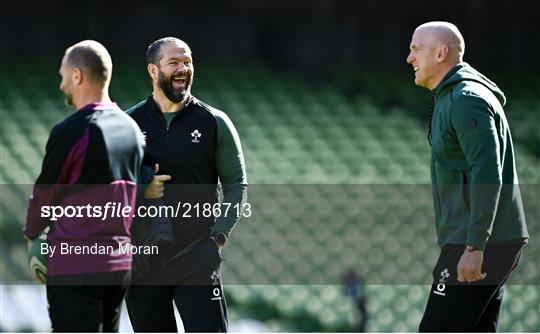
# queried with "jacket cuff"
point(477, 239)
point(30, 236)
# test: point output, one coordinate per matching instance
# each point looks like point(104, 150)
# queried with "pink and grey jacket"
point(92, 158)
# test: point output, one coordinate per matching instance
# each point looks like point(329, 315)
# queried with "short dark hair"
point(154, 49)
point(91, 57)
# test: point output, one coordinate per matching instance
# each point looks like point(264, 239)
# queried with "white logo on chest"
point(195, 135)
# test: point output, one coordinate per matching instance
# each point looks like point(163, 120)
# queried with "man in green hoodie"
point(478, 208)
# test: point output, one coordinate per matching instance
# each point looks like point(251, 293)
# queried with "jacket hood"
point(465, 72)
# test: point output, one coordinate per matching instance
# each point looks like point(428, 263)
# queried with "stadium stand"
point(338, 181)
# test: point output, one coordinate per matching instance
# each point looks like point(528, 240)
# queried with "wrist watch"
point(220, 238)
point(471, 248)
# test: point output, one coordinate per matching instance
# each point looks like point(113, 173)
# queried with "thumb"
point(460, 278)
point(156, 168)
point(162, 178)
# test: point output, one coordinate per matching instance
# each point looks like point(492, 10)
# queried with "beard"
point(175, 95)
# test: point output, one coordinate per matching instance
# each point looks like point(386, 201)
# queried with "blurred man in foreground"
point(93, 159)
point(478, 208)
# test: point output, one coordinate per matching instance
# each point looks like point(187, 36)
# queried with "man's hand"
point(28, 243)
point(470, 266)
point(155, 188)
point(39, 279)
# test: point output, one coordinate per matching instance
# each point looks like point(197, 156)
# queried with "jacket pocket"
point(452, 189)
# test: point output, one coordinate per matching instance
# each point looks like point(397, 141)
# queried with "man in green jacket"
point(478, 208)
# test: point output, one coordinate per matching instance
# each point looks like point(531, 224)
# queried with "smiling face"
point(174, 71)
point(423, 58)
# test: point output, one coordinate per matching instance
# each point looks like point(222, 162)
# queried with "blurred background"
point(333, 130)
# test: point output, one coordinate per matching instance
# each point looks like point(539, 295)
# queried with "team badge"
point(196, 135)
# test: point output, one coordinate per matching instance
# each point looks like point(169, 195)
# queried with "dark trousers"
point(86, 302)
point(469, 307)
point(193, 283)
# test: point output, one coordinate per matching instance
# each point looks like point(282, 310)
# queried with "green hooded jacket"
point(475, 185)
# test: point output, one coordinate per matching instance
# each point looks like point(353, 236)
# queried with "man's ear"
point(153, 71)
point(442, 53)
point(76, 76)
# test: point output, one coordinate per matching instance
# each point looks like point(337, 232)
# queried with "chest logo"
point(196, 135)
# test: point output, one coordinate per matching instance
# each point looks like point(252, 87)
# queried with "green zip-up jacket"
point(475, 185)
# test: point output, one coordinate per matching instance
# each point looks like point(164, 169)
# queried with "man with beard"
point(478, 208)
point(93, 157)
point(193, 146)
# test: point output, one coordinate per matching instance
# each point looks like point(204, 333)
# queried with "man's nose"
point(183, 67)
point(410, 58)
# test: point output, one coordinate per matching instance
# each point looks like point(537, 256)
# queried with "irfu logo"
point(195, 135)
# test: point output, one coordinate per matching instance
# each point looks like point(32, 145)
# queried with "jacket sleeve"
point(60, 167)
point(231, 171)
point(474, 123)
point(44, 190)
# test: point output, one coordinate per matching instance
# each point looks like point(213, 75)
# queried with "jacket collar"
point(155, 107)
point(442, 85)
point(100, 106)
